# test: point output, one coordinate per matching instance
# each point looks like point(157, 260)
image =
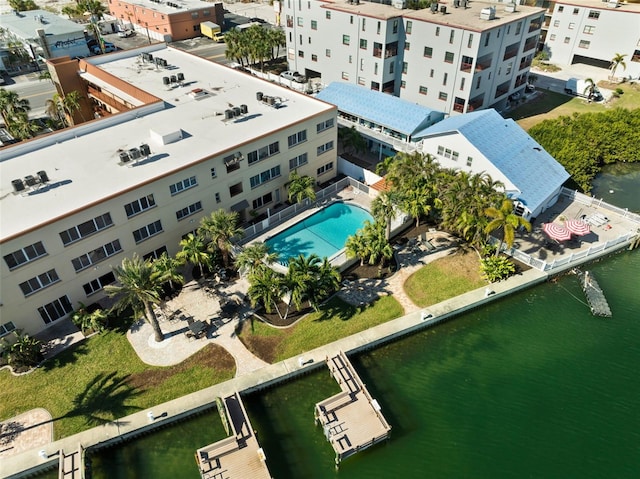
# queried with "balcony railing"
point(465, 67)
point(524, 65)
point(459, 108)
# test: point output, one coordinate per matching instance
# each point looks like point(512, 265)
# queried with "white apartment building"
point(461, 57)
point(593, 32)
point(180, 138)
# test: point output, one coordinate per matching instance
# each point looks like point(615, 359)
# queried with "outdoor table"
point(197, 327)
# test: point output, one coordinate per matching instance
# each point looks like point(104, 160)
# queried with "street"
point(36, 91)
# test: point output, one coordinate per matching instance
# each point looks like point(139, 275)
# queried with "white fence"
point(599, 203)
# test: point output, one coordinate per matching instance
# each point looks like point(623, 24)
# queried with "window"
point(345, 76)
point(363, 44)
point(518, 28)
point(298, 161)
point(509, 67)
point(265, 176)
point(455, 155)
point(589, 29)
point(155, 254)
point(6, 328)
point(428, 52)
point(594, 14)
point(138, 206)
point(470, 41)
point(556, 23)
point(97, 255)
point(147, 232)
point(39, 282)
point(478, 82)
point(55, 310)
point(364, 22)
point(350, 58)
point(189, 210)
point(486, 39)
point(25, 255)
point(263, 200)
point(403, 84)
point(395, 26)
point(232, 162)
point(86, 229)
point(351, 19)
point(300, 53)
point(263, 153)
point(442, 96)
point(296, 138)
point(213, 173)
point(391, 65)
point(377, 50)
point(99, 283)
point(567, 39)
point(324, 148)
point(448, 57)
point(576, 11)
point(437, 31)
point(300, 21)
point(235, 189)
point(194, 15)
point(462, 83)
point(409, 27)
point(346, 39)
point(444, 78)
point(560, 9)
point(431, 73)
point(375, 68)
point(324, 125)
point(447, 153)
point(552, 37)
point(440, 150)
point(423, 90)
point(314, 24)
point(407, 46)
point(378, 29)
point(327, 15)
point(469, 161)
point(325, 168)
point(185, 184)
point(405, 67)
point(314, 57)
point(584, 44)
point(572, 26)
point(217, 197)
point(327, 52)
point(452, 34)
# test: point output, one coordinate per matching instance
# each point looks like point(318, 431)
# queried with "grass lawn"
point(444, 278)
point(336, 320)
point(102, 379)
point(549, 105)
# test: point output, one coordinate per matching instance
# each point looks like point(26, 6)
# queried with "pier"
point(71, 466)
point(238, 456)
point(351, 420)
point(594, 294)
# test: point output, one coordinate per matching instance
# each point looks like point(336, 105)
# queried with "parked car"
point(257, 20)
point(108, 48)
point(126, 33)
point(293, 76)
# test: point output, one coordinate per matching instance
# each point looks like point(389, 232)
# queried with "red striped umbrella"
point(556, 231)
point(578, 227)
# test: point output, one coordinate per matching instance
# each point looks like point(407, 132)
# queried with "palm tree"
point(327, 281)
point(138, 288)
point(254, 257)
point(277, 39)
point(616, 61)
point(300, 278)
point(13, 108)
point(71, 104)
point(351, 139)
point(383, 208)
point(590, 89)
point(193, 251)
point(505, 219)
point(301, 187)
point(266, 287)
point(55, 111)
point(356, 246)
point(167, 268)
point(220, 228)
point(378, 246)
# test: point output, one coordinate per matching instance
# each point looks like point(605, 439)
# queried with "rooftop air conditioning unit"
point(44, 178)
point(510, 8)
point(488, 13)
point(134, 153)
point(145, 150)
point(30, 180)
point(18, 185)
point(124, 157)
point(400, 4)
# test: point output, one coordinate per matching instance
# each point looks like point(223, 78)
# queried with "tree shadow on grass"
point(103, 399)
point(65, 357)
point(337, 310)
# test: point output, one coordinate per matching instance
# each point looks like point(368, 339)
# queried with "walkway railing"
point(599, 203)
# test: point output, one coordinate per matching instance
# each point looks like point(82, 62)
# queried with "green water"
point(532, 386)
point(618, 184)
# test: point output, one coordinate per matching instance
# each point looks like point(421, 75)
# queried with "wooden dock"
point(351, 419)
point(71, 466)
point(594, 294)
point(238, 456)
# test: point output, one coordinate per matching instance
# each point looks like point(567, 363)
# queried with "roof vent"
point(510, 8)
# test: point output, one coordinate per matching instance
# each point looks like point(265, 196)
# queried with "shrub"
point(25, 353)
point(496, 268)
point(90, 319)
point(619, 91)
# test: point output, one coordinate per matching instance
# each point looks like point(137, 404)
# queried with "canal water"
point(530, 386)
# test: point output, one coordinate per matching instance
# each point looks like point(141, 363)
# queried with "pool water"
point(324, 233)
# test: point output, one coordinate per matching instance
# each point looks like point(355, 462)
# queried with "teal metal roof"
point(518, 156)
point(380, 108)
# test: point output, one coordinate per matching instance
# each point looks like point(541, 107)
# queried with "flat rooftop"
point(25, 24)
point(163, 6)
point(467, 18)
point(83, 162)
point(602, 5)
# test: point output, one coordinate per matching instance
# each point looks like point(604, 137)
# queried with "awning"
point(240, 206)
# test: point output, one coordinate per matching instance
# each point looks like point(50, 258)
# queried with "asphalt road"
point(34, 90)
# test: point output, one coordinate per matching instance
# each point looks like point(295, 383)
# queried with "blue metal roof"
point(380, 108)
point(518, 156)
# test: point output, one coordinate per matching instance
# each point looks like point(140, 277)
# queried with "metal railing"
point(599, 203)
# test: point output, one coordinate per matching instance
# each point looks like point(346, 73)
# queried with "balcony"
point(484, 63)
point(111, 100)
point(458, 105)
point(466, 64)
point(475, 103)
point(502, 89)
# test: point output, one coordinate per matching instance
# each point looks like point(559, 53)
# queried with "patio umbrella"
point(578, 227)
point(556, 231)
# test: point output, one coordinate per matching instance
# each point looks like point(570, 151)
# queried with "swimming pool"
point(323, 233)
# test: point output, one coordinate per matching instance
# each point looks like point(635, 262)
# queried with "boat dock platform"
point(71, 466)
point(595, 296)
point(351, 419)
point(238, 456)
